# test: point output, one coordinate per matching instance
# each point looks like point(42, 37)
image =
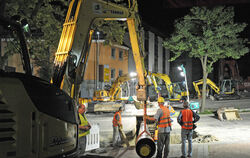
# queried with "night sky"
point(160, 14)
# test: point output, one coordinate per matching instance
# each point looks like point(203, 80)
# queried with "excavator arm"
point(209, 82)
point(116, 86)
point(72, 52)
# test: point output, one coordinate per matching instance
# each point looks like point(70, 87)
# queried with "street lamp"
point(184, 74)
point(133, 74)
point(97, 59)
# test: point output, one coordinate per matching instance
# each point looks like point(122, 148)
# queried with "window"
point(146, 41)
point(120, 72)
point(146, 46)
point(156, 54)
point(112, 73)
point(120, 55)
point(113, 53)
point(164, 60)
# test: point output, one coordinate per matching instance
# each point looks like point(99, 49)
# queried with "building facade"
point(105, 64)
point(156, 57)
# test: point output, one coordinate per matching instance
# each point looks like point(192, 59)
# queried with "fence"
point(93, 139)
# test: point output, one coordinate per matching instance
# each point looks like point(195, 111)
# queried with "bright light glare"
point(182, 74)
point(179, 68)
point(133, 74)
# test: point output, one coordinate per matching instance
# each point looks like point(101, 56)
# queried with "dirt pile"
point(198, 138)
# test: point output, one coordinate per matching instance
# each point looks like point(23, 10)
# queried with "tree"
point(209, 34)
point(45, 19)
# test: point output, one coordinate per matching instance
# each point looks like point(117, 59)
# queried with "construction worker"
point(84, 128)
point(117, 123)
point(186, 119)
point(162, 117)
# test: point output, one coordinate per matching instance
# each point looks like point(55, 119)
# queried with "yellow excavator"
point(168, 90)
point(228, 89)
point(39, 119)
point(73, 51)
point(113, 93)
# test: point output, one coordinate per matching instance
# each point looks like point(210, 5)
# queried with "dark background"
point(161, 14)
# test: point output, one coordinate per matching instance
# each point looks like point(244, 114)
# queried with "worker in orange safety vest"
point(186, 119)
point(117, 123)
point(162, 117)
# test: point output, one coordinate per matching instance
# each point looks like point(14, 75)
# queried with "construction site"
point(213, 138)
point(118, 100)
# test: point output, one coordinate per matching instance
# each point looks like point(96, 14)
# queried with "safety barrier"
point(93, 139)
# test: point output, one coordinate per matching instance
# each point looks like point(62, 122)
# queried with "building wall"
point(105, 58)
point(151, 55)
point(90, 82)
point(160, 55)
point(156, 62)
point(161, 62)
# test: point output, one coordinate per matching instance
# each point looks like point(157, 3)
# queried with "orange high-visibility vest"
point(115, 122)
point(187, 119)
point(165, 119)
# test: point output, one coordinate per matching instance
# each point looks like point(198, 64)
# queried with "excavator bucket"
point(228, 114)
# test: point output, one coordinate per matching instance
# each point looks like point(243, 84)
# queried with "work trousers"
point(82, 145)
point(163, 141)
point(186, 134)
point(116, 137)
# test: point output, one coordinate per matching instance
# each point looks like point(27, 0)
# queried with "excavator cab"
point(37, 119)
point(227, 90)
point(228, 86)
point(179, 90)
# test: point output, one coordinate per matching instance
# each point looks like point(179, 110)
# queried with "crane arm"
point(72, 52)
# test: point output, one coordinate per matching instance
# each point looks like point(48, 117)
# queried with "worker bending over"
point(117, 123)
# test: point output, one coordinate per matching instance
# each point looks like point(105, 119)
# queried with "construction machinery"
point(73, 49)
point(228, 113)
point(228, 89)
point(228, 70)
point(72, 53)
point(167, 89)
point(37, 119)
point(114, 92)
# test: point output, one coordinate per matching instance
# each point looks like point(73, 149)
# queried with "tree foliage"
point(45, 19)
point(114, 31)
point(209, 34)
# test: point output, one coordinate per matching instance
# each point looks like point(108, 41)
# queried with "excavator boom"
point(72, 53)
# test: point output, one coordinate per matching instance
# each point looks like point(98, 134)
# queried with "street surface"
point(233, 136)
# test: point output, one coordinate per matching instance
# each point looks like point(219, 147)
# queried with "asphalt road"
point(233, 136)
point(233, 140)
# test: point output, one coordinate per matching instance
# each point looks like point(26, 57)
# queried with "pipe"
point(145, 146)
